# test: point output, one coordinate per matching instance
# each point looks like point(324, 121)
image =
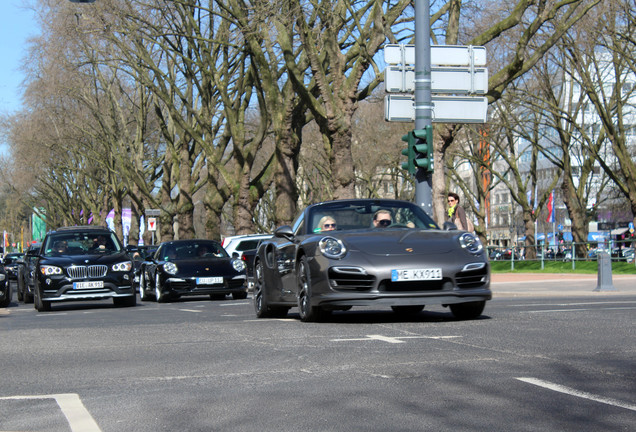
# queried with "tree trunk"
point(341, 163)
point(285, 180)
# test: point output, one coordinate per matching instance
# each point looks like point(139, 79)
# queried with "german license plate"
point(209, 280)
point(416, 274)
point(88, 285)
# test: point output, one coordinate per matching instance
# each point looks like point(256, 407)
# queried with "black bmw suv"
point(83, 263)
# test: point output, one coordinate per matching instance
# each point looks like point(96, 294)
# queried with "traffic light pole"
point(423, 100)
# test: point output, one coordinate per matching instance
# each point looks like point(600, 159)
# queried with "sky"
point(17, 24)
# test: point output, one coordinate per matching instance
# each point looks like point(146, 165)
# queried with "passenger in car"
point(326, 223)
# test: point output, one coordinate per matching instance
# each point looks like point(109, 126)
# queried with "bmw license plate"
point(88, 285)
point(416, 274)
point(209, 280)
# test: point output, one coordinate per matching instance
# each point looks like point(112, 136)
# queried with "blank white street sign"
point(459, 80)
point(446, 109)
point(399, 108)
point(399, 79)
point(454, 80)
point(458, 109)
point(441, 55)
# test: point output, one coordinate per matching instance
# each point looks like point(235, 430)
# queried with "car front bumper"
point(66, 292)
point(189, 287)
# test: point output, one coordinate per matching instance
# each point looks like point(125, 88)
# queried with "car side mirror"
point(284, 231)
point(449, 226)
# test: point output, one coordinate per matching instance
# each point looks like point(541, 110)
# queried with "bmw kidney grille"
point(82, 272)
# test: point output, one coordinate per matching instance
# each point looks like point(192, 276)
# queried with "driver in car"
point(382, 218)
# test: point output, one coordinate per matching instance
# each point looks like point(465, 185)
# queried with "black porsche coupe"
point(192, 268)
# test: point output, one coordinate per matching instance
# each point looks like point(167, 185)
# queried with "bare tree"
point(602, 55)
point(517, 36)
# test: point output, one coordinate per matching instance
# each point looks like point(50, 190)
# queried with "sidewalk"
point(558, 285)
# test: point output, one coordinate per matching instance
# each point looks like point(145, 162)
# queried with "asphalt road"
point(565, 361)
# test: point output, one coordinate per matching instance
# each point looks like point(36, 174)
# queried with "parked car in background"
point(14, 266)
point(238, 244)
point(191, 268)
point(372, 252)
point(248, 259)
point(28, 275)
point(83, 263)
point(138, 255)
point(5, 289)
point(12, 263)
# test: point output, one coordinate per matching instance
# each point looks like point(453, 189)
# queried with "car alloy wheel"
point(159, 295)
point(307, 312)
point(142, 286)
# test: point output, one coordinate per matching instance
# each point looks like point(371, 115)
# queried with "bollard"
point(604, 260)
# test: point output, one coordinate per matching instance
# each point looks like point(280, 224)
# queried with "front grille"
point(350, 278)
point(83, 272)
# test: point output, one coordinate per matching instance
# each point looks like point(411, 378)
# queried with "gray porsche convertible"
point(369, 252)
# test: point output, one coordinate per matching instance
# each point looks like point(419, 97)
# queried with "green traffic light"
point(419, 150)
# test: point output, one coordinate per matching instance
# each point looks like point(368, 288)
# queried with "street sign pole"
point(423, 102)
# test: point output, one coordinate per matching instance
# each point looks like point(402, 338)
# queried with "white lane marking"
point(577, 393)
point(190, 310)
point(79, 419)
point(573, 304)
point(235, 304)
point(397, 339)
point(580, 310)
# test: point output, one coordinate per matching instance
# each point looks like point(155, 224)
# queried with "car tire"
point(143, 296)
point(125, 301)
point(28, 298)
point(19, 291)
point(408, 310)
point(7, 299)
point(39, 304)
point(261, 307)
point(467, 311)
point(160, 296)
point(307, 311)
point(239, 295)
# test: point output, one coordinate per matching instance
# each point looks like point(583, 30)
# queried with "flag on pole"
point(142, 228)
point(550, 208)
point(126, 221)
point(110, 220)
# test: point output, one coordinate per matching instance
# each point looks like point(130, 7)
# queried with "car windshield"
point(191, 250)
point(343, 216)
point(81, 243)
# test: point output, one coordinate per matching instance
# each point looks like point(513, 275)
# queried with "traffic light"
point(419, 150)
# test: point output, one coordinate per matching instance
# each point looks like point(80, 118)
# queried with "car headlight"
point(170, 268)
point(123, 266)
point(2, 276)
point(332, 248)
point(238, 265)
point(471, 243)
point(47, 270)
